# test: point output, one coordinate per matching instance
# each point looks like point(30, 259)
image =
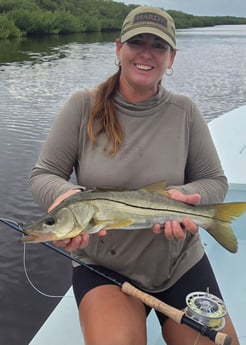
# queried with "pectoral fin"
point(119, 223)
point(108, 224)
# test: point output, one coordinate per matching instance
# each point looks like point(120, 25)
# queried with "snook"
point(89, 212)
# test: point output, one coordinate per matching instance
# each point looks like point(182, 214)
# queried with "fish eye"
point(50, 221)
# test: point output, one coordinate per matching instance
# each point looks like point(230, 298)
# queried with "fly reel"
point(206, 309)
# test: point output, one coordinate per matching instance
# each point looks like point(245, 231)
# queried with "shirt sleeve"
point(51, 174)
point(204, 173)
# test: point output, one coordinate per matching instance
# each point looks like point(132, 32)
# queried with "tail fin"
point(220, 229)
point(229, 211)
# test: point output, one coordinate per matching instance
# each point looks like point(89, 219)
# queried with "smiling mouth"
point(143, 67)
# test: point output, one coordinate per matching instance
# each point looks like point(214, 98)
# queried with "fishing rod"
point(175, 314)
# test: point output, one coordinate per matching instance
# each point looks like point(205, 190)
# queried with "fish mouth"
point(37, 238)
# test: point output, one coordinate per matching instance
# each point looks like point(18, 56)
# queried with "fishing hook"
point(175, 314)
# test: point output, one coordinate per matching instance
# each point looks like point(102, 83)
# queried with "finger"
point(85, 241)
point(62, 197)
point(192, 199)
point(168, 230)
point(56, 202)
point(156, 228)
point(190, 225)
point(62, 243)
point(178, 231)
point(102, 232)
point(78, 242)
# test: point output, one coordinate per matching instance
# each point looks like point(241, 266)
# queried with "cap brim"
point(147, 30)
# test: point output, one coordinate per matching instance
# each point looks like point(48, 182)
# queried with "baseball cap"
point(152, 20)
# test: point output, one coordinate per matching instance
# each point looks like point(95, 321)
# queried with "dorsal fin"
point(158, 187)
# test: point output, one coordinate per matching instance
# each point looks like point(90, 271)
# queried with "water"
point(36, 77)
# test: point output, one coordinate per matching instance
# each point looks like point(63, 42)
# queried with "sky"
point(198, 7)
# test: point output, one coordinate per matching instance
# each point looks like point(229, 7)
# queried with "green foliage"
point(45, 22)
point(65, 22)
point(184, 20)
point(9, 5)
point(90, 24)
point(8, 28)
point(39, 17)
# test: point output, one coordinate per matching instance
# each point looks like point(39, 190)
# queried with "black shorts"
point(198, 278)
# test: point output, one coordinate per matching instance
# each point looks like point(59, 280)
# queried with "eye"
point(160, 45)
point(50, 221)
point(135, 41)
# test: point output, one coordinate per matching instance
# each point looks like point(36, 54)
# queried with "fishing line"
point(16, 225)
point(179, 316)
point(30, 281)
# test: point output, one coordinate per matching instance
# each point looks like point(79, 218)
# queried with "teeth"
point(146, 68)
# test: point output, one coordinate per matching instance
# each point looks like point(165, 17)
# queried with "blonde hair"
point(103, 119)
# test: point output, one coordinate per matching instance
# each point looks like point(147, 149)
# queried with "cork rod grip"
point(175, 314)
point(222, 339)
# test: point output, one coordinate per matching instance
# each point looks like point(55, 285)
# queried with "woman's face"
point(144, 60)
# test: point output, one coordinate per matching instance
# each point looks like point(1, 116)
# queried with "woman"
point(128, 133)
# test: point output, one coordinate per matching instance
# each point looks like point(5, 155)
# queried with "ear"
point(173, 54)
point(118, 47)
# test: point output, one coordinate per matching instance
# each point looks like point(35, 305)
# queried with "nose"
point(146, 51)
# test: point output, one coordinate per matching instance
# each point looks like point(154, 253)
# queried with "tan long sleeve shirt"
point(166, 139)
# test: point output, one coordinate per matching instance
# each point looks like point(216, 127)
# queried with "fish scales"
point(142, 205)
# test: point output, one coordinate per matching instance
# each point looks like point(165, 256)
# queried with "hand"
point(173, 229)
point(77, 242)
point(70, 244)
point(62, 197)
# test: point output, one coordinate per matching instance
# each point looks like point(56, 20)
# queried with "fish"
point(109, 209)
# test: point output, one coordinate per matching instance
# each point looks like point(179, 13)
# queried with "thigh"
point(110, 317)
point(107, 315)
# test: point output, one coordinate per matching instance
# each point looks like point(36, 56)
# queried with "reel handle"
point(175, 314)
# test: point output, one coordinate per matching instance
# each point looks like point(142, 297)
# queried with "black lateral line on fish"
point(150, 208)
